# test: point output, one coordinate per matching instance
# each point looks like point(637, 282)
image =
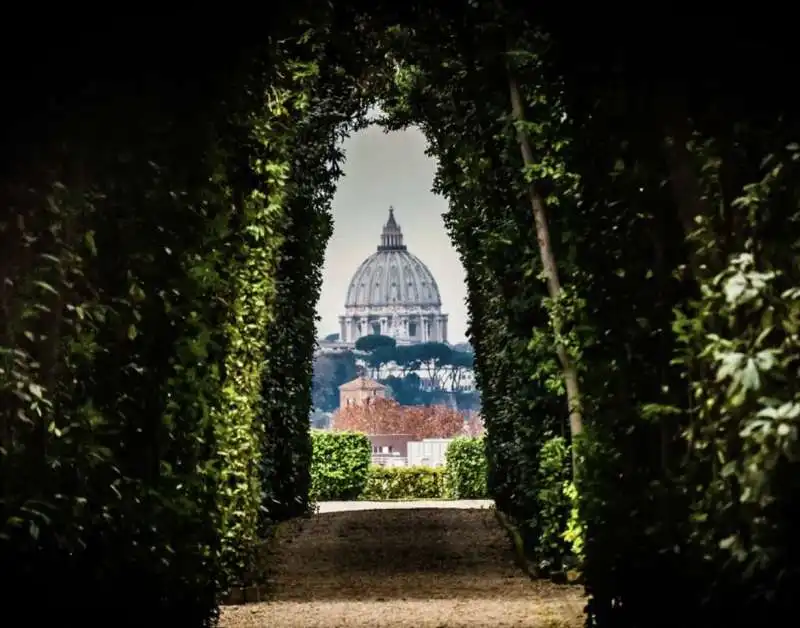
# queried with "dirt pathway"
point(420, 568)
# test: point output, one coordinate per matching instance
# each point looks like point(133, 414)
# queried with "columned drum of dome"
point(393, 293)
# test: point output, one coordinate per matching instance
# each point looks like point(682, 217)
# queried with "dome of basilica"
point(393, 293)
point(392, 275)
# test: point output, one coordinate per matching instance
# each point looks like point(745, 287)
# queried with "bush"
point(465, 470)
point(339, 465)
point(404, 483)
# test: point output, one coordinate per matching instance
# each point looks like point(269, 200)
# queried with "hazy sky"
point(381, 170)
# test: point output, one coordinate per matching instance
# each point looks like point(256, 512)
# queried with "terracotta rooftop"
point(362, 383)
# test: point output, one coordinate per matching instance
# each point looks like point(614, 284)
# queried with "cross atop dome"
point(392, 236)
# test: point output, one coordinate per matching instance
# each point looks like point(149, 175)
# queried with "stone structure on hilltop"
point(360, 391)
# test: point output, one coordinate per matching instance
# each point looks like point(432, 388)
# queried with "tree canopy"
point(445, 369)
point(374, 342)
point(386, 416)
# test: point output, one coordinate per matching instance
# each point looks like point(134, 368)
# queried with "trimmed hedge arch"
point(161, 255)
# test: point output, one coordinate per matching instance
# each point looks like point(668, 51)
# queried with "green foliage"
point(375, 341)
point(742, 335)
point(340, 465)
point(677, 466)
point(386, 483)
point(341, 470)
point(465, 475)
point(573, 534)
point(555, 505)
point(141, 370)
point(288, 376)
point(251, 284)
point(437, 352)
point(160, 253)
point(148, 361)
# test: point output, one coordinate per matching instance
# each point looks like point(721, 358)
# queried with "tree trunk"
point(539, 209)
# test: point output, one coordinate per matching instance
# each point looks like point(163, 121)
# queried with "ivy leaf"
point(751, 379)
point(765, 360)
point(36, 390)
point(45, 286)
point(90, 243)
point(734, 288)
point(730, 363)
point(763, 335)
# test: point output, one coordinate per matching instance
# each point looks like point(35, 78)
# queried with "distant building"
point(390, 450)
point(359, 391)
point(401, 450)
point(392, 293)
point(429, 452)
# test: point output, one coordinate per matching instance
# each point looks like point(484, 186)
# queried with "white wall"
point(428, 453)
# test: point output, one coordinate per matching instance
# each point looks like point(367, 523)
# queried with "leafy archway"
point(161, 262)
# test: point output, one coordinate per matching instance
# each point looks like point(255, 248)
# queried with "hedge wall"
point(139, 255)
point(313, 140)
point(340, 464)
point(341, 470)
point(404, 483)
point(628, 226)
point(465, 469)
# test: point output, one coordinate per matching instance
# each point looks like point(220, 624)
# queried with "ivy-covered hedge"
point(312, 140)
point(340, 464)
point(465, 469)
point(139, 262)
point(384, 483)
point(492, 227)
point(629, 239)
point(553, 549)
point(628, 244)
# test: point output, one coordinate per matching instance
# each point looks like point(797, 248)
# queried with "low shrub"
point(404, 483)
point(340, 464)
point(465, 470)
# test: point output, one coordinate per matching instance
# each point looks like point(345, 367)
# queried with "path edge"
point(519, 547)
point(260, 591)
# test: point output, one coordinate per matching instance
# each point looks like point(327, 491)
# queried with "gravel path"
point(407, 568)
